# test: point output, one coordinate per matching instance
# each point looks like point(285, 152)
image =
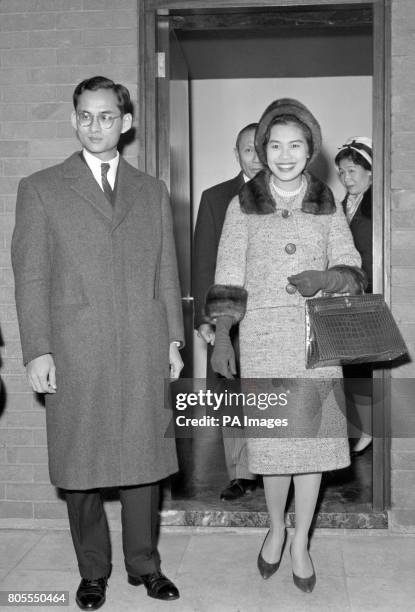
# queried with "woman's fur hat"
point(287, 106)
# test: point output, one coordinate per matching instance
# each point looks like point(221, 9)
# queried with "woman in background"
point(354, 163)
point(284, 240)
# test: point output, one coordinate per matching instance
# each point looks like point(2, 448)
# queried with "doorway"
point(200, 56)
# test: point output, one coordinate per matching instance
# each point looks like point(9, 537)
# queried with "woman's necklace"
point(285, 200)
point(287, 194)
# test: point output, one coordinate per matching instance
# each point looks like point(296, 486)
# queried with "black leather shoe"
point(268, 569)
point(237, 488)
point(157, 585)
point(305, 584)
point(91, 593)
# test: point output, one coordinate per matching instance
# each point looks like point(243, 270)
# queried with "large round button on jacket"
point(290, 248)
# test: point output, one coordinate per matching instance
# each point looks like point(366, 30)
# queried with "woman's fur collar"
point(256, 199)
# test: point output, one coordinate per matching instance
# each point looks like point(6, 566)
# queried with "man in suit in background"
point(211, 216)
point(99, 311)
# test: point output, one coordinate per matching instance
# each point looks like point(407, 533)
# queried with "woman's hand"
point(223, 356)
point(309, 282)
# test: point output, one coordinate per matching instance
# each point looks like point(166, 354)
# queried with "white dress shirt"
point(94, 164)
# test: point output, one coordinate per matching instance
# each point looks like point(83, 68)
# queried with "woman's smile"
point(287, 154)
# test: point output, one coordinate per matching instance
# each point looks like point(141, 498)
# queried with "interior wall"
point(221, 107)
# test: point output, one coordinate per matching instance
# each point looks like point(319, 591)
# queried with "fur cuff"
point(226, 300)
point(356, 275)
point(256, 199)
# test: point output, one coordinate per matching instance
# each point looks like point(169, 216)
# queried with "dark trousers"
point(90, 533)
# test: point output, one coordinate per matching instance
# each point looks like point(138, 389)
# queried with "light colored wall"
point(342, 105)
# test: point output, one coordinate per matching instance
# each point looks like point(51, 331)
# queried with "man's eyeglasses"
point(105, 120)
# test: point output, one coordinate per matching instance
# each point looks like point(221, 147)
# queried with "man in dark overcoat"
point(211, 216)
point(99, 311)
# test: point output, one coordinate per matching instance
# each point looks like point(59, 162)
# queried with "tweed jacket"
point(97, 287)
point(253, 261)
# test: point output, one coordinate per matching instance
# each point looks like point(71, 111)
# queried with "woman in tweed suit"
point(284, 240)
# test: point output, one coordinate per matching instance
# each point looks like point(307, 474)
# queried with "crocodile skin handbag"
point(351, 329)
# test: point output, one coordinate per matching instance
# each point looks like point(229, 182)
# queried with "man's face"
point(246, 154)
point(100, 106)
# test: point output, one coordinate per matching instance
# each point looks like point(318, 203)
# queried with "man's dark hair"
point(251, 126)
point(99, 82)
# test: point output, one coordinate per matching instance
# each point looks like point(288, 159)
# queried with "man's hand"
point(207, 333)
point(176, 362)
point(41, 374)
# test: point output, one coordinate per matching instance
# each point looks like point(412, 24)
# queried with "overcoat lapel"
point(81, 180)
point(127, 189)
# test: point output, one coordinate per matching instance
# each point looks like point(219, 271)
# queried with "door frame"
point(149, 11)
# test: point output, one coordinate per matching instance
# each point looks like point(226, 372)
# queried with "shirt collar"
point(94, 164)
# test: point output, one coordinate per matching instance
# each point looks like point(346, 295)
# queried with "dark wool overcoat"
point(97, 287)
point(210, 218)
point(361, 228)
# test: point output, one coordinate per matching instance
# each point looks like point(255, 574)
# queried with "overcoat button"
point(290, 288)
point(285, 213)
point(290, 248)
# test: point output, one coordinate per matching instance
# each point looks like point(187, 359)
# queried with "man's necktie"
point(105, 184)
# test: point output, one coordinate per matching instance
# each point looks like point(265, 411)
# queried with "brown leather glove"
point(223, 356)
point(309, 282)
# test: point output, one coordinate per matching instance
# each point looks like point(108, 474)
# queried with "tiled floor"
point(215, 570)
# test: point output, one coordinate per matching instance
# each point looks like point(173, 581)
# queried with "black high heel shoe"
point(268, 569)
point(305, 584)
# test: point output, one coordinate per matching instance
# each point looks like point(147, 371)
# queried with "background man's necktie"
point(105, 184)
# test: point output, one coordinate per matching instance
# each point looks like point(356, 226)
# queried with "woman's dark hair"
point(99, 82)
point(354, 156)
point(286, 120)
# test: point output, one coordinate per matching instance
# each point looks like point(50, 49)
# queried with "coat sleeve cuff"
point(355, 280)
point(225, 300)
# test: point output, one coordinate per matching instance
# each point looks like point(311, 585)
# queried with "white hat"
point(361, 144)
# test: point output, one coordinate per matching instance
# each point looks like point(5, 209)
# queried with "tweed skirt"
point(272, 346)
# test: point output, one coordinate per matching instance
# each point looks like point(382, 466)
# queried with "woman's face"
point(354, 177)
point(287, 155)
